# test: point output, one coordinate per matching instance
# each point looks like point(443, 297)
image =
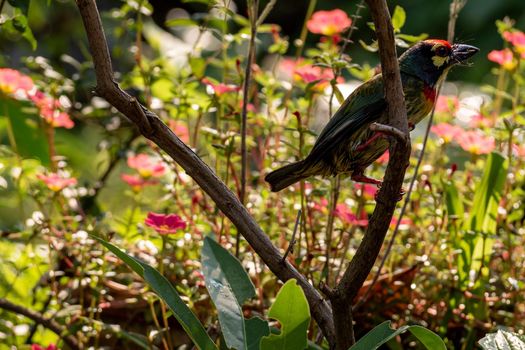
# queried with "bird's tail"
point(287, 175)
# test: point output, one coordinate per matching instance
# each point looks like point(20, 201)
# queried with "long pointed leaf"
point(166, 292)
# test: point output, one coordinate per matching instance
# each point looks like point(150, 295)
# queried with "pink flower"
point(476, 142)
point(343, 212)
point(57, 182)
point(517, 39)
point(14, 82)
point(309, 74)
point(165, 223)
point(519, 150)
point(39, 347)
point(180, 129)
point(50, 110)
point(447, 104)
point(321, 205)
point(384, 158)
point(504, 58)
point(480, 120)
point(447, 132)
point(404, 224)
point(146, 166)
point(369, 191)
point(328, 23)
point(219, 88)
point(136, 182)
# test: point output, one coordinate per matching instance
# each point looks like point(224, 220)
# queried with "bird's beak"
point(462, 52)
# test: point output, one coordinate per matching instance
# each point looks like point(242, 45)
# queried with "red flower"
point(328, 23)
point(137, 182)
point(39, 347)
point(504, 58)
point(220, 89)
point(165, 224)
point(343, 212)
point(476, 142)
point(57, 182)
point(447, 104)
point(447, 132)
point(13, 82)
point(146, 166)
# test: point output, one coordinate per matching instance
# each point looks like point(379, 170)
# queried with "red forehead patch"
point(438, 41)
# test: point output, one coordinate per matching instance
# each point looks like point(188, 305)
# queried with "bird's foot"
point(411, 126)
point(375, 136)
point(399, 196)
point(366, 180)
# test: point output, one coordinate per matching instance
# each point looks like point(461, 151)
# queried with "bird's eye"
point(441, 51)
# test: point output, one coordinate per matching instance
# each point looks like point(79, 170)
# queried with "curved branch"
point(154, 129)
point(37, 317)
point(366, 255)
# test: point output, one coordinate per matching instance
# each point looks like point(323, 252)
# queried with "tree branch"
point(37, 317)
point(154, 129)
point(366, 255)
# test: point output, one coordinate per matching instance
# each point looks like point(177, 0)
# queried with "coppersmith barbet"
point(346, 145)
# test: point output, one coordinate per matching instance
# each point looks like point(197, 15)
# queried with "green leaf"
point(503, 340)
point(292, 311)
point(180, 22)
point(455, 209)
point(382, 333)
point(256, 328)
point(166, 292)
point(23, 5)
point(484, 210)
point(398, 18)
point(229, 287)
point(30, 137)
point(338, 94)
point(221, 265)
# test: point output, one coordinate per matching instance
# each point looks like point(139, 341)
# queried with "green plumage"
point(346, 144)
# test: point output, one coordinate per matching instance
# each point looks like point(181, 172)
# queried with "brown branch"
point(154, 129)
point(37, 317)
point(369, 249)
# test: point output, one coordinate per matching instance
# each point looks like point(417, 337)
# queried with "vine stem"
point(252, 12)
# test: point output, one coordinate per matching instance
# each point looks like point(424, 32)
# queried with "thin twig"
point(253, 6)
point(293, 241)
point(269, 6)
point(37, 317)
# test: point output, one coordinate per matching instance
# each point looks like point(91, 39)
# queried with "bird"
point(346, 145)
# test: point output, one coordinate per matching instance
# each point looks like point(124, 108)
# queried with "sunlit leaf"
point(503, 340)
point(292, 311)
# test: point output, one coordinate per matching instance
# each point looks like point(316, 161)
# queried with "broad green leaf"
point(166, 292)
point(229, 287)
point(256, 328)
point(219, 264)
point(30, 137)
point(23, 5)
point(398, 18)
point(382, 333)
point(292, 311)
point(487, 196)
point(455, 209)
point(503, 340)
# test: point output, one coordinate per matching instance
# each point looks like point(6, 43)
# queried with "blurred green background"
point(56, 25)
